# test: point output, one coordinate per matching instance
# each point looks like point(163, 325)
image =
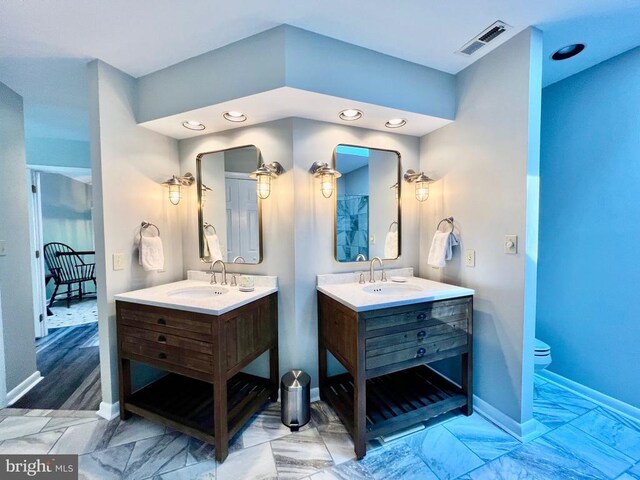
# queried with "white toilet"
point(542, 355)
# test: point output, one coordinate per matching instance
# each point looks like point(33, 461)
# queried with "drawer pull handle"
point(162, 321)
point(421, 316)
point(162, 339)
point(421, 334)
point(162, 355)
point(421, 352)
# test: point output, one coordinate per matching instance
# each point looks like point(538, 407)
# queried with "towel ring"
point(448, 220)
point(145, 225)
point(391, 226)
point(208, 225)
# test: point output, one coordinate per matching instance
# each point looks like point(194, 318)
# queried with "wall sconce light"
point(263, 175)
point(203, 193)
point(174, 184)
point(327, 177)
point(396, 187)
point(422, 184)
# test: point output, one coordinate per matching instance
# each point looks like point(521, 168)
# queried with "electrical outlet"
point(470, 258)
point(3, 248)
point(118, 261)
point(511, 244)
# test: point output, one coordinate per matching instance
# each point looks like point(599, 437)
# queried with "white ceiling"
point(291, 102)
point(44, 44)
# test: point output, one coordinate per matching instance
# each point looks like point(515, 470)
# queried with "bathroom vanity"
point(385, 334)
point(202, 336)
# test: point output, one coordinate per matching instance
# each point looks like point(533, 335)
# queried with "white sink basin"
point(198, 292)
point(391, 289)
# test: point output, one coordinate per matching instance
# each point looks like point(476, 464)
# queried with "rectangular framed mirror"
point(367, 219)
point(229, 210)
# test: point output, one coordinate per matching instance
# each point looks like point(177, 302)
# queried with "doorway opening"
point(64, 290)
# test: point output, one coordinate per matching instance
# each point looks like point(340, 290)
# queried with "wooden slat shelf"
point(187, 403)
point(397, 400)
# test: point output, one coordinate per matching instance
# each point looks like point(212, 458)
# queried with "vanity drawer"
point(411, 353)
point(176, 322)
point(163, 356)
point(416, 337)
point(411, 316)
point(132, 334)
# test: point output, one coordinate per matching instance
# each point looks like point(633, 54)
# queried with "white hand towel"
point(391, 245)
point(441, 248)
point(213, 244)
point(151, 256)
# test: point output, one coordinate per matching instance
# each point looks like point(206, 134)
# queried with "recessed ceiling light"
point(350, 114)
point(396, 123)
point(234, 116)
point(568, 51)
point(193, 125)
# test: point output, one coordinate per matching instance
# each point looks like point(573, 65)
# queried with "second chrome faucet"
point(372, 273)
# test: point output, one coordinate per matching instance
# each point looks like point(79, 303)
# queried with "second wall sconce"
point(327, 177)
point(422, 184)
point(174, 184)
point(263, 175)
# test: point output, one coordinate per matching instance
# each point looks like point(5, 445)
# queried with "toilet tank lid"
point(540, 345)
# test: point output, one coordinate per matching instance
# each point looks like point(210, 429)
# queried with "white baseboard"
point(522, 432)
point(109, 411)
point(21, 390)
point(592, 395)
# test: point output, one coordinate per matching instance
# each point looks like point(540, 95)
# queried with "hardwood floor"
point(68, 359)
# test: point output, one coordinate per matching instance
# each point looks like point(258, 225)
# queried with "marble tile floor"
point(578, 440)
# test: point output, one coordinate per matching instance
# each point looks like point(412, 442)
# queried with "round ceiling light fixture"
point(350, 114)
point(568, 51)
point(396, 123)
point(193, 125)
point(234, 116)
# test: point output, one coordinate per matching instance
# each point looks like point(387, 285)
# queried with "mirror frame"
point(200, 213)
point(335, 203)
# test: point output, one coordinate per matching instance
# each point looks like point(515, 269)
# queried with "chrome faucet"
point(239, 259)
point(372, 277)
point(361, 258)
point(213, 273)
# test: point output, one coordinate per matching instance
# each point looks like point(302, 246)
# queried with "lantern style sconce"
point(174, 184)
point(422, 184)
point(263, 175)
point(327, 177)
point(203, 193)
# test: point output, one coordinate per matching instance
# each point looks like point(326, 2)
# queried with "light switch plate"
point(470, 258)
point(3, 248)
point(511, 244)
point(118, 261)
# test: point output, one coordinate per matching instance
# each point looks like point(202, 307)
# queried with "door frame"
point(37, 259)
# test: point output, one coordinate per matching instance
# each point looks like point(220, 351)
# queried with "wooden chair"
point(67, 268)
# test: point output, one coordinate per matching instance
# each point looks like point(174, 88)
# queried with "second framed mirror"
point(230, 212)
point(367, 221)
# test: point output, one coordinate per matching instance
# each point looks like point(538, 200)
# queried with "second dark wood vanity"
point(205, 394)
point(389, 385)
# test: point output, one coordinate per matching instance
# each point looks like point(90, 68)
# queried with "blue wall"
point(589, 270)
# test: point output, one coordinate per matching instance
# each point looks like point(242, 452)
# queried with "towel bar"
point(448, 220)
point(145, 225)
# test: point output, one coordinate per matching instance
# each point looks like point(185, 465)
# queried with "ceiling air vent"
point(483, 38)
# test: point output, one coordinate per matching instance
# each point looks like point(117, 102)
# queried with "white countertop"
point(215, 305)
point(354, 296)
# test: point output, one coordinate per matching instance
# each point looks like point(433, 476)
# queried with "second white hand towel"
point(439, 249)
point(151, 255)
point(391, 245)
point(213, 242)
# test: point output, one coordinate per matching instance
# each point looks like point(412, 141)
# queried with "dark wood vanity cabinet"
point(204, 394)
point(389, 385)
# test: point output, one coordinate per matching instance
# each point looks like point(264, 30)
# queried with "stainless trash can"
point(295, 393)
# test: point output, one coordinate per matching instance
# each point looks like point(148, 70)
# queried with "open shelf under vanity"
point(186, 404)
